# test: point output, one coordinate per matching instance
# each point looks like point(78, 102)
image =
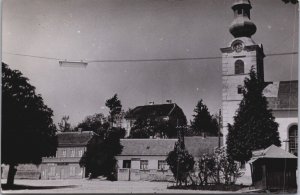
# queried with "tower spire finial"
point(242, 26)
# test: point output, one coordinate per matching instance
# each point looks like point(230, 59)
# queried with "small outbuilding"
point(273, 169)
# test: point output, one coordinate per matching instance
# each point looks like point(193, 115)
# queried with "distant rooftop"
point(196, 146)
point(282, 95)
point(74, 138)
point(154, 110)
point(147, 147)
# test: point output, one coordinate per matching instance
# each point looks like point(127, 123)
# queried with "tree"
point(219, 161)
point(203, 121)
point(181, 162)
point(28, 132)
point(96, 123)
point(290, 1)
point(99, 158)
point(207, 169)
point(229, 170)
point(254, 125)
point(64, 125)
point(144, 127)
point(115, 107)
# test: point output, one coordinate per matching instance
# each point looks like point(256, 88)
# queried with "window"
point(240, 89)
point(72, 170)
point(293, 140)
point(72, 153)
point(52, 171)
point(127, 164)
point(64, 153)
point(144, 164)
point(80, 153)
point(162, 165)
point(239, 67)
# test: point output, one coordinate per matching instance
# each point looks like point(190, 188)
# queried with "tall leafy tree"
point(64, 125)
point(28, 131)
point(144, 127)
point(97, 123)
point(254, 125)
point(290, 1)
point(115, 107)
point(99, 158)
point(203, 121)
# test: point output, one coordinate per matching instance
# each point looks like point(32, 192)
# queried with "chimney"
point(169, 101)
point(151, 103)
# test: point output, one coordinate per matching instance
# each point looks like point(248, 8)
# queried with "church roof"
point(152, 110)
point(282, 95)
point(71, 139)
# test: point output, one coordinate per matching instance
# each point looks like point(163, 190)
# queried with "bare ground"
point(95, 186)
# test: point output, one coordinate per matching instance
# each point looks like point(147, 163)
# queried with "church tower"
point(238, 57)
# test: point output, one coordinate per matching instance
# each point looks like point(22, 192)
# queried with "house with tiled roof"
point(65, 165)
point(282, 97)
point(145, 159)
point(169, 112)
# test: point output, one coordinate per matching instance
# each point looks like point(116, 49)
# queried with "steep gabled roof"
point(67, 139)
point(282, 95)
point(155, 110)
point(147, 147)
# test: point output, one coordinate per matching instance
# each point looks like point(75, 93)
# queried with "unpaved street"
point(97, 186)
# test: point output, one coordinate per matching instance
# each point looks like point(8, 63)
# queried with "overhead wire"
point(143, 60)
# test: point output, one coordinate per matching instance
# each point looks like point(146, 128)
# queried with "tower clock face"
point(237, 46)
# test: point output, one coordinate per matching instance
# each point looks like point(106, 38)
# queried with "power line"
point(146, 60)
point(32, 56)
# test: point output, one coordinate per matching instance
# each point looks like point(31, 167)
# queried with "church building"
point(238, 57)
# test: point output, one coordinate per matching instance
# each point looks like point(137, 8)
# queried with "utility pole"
point(178, 145)
point(219, 132)
point(219, 144)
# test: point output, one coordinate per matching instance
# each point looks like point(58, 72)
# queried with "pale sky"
point(137, 29)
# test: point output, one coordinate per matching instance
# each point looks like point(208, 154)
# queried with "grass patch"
point(212, 187)
point(24, 187)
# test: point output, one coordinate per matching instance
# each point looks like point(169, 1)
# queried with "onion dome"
point(242, 26)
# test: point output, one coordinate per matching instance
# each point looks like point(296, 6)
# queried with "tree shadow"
point(27, 187)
